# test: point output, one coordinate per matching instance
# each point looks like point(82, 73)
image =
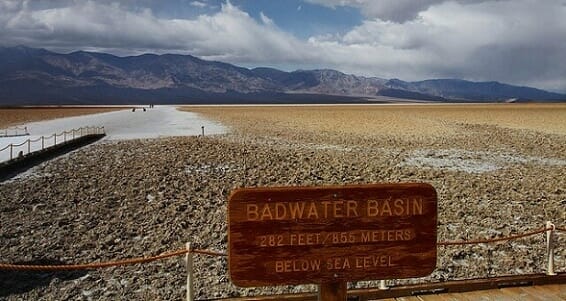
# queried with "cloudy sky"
point(514, 41)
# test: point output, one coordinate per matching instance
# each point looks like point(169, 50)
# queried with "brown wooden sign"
point(299, 235)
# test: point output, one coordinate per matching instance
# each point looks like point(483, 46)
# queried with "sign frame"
point(331, 234)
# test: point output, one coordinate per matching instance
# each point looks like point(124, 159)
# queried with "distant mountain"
point(456, 89)
point(38, 76)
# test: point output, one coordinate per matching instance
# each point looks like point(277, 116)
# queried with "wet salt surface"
point(160, 121)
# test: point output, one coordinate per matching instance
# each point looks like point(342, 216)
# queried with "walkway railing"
point(17, 150)
point(550, 229)
point(14, 131)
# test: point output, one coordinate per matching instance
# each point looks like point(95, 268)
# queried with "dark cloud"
point(518, 41)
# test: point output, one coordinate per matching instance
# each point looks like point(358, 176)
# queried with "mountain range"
point(31, 76)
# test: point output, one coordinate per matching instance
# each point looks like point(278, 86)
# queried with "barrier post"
point(55, 139)
point(189, 260)
point(550, 248)
point(11, 151)
point(73, 133)
point(42, 142)
point(64, 136)
point(29, 146)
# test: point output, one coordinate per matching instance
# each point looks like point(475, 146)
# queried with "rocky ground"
point(114, 200)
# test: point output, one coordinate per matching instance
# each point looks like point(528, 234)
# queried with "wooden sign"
point(299, 235)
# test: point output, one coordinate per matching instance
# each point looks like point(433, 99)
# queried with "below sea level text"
point(336, 263)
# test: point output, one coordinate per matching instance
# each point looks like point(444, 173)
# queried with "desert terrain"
point(17, 116)
point(498, 170)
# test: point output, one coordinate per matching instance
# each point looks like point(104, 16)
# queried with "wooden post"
point(245, 168)
point(550, 248)
point(202, 128)
point(335, 291)
point(189, 260)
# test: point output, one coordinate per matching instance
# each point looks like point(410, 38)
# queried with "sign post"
point(330, 235)
point(336, 291)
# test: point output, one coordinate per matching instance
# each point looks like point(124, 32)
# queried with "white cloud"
point(518, 41)
point(266, 20)
point(231, 34)
point(198, 4)
point(390, 10)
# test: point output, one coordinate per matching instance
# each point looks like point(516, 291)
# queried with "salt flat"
point(498, 171)
point(160, 121)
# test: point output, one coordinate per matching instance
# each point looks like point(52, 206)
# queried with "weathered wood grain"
point(298, 235)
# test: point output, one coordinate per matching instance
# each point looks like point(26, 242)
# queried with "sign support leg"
point(334, 291)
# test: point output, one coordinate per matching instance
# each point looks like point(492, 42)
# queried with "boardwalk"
point(552, 292)
point(523, 287)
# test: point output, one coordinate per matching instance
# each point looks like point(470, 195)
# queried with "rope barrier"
point(207, 252)
point(18, 145)
point(35, 140)
point(11, 146)
point(90, 266)
point(484, 241)
point(13, 132)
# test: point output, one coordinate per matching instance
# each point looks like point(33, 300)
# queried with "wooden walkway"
point(551, 292)
point(535, 287)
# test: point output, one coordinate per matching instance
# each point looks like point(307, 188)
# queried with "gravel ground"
point(123, 199)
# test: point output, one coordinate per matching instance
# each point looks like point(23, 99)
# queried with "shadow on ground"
point(19, 282)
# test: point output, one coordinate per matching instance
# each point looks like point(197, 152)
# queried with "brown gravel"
point(17, 116)
point(116, 200)
point(408, 121)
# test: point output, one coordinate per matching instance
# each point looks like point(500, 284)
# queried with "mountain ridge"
point(38, 76)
